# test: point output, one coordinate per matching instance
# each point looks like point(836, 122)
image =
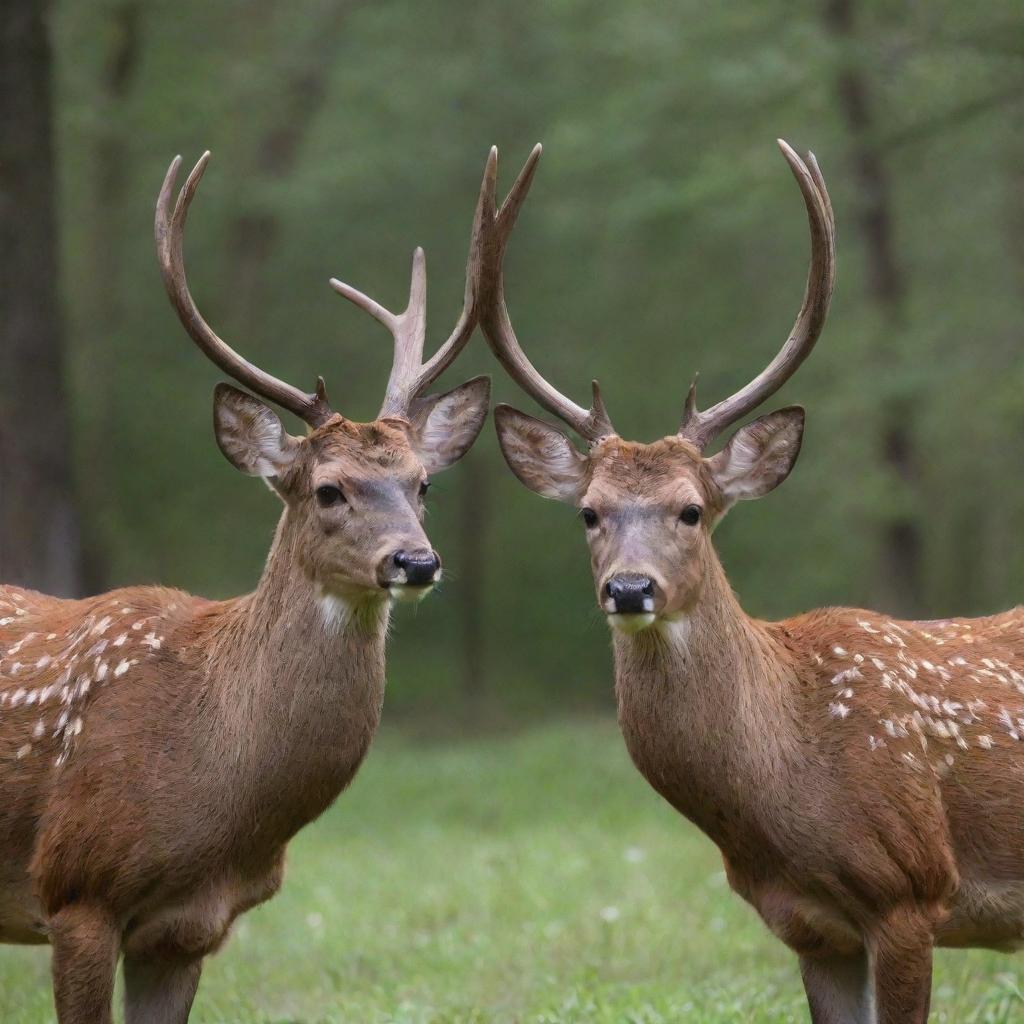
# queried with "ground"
point(531, 878)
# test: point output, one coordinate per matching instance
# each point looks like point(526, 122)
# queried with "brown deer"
point(159, 750)
point(860, 775)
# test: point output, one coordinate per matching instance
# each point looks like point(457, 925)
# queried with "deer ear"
point(250, 434)
point(444, 427)
point(759, 456)
point(541, 455)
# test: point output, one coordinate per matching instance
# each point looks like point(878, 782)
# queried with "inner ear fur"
point(758, 456)
point(444, 426)
point(541, 456)
point(250, 434)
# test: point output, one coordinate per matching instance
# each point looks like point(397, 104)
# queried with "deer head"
point(649, 509)
point(354, 491)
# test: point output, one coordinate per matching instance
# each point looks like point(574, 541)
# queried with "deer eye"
point(589, 517)
point(328, 495)
point(424, 487)
point(690, 515)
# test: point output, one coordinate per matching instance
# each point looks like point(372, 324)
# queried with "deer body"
point(860, 775)
point(169, 772)
point(859, 781)
point(170, 747)
point(159, 750)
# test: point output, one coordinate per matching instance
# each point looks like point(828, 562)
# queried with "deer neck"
point(296, 685)
point(707, 706)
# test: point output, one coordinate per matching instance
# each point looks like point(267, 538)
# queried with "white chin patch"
point(410, 595)
point(334, 611)
point(631, 623)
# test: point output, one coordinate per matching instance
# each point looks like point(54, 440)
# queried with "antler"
point(170, 234)
point(496, 226)
point(702, 427)
point(410, 376)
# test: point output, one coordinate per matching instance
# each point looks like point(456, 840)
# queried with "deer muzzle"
point(410, 573)
point(631, 594)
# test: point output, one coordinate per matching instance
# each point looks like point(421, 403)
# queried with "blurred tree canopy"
point(663, 235)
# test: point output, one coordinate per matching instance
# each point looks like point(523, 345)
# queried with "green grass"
point(531, 878)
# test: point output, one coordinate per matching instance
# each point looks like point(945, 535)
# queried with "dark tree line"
point(39, 522)
point(662, 236)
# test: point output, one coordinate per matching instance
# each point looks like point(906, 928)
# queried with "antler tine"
point(702, 427)
point(468, 319)
point(410, 376)
point(591, 424)
point(408, 329)
point(169, 229)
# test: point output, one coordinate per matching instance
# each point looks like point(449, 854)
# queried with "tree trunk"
point(901, 577)
point(39, 535)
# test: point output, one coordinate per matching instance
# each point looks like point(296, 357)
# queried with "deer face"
point(649, 509)
point(356, 490)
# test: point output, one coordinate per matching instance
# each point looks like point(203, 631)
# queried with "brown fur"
point(159, 750)
point(859, 774)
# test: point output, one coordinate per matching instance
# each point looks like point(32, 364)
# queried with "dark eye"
point(329, 495)
point(424, 487)
point(690, 515)
point(589, 517)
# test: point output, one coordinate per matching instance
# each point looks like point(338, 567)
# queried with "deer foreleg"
point(901, 959)
point(839, 989)
point(85, 944)
point(159, 991)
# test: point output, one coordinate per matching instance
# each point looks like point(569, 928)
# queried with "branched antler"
point(170, 237)
point(699, 427)
point(496, 227)
point(702, 427)
point(410, 376)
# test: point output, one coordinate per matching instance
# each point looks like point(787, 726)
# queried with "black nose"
point(631, 593)
point(420, 567)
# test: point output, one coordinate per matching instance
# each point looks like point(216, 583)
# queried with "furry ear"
point(250, 435)
point(541, 455)
point(759, 456)
point(444, 427)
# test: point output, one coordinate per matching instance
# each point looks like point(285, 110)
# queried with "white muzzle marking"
point(634, 623)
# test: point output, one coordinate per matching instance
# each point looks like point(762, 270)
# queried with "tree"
point(902, 545)
point(39, 533)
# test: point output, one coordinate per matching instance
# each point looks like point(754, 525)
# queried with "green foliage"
point(533, 879)
point(663, 236)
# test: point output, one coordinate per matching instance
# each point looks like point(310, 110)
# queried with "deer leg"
point(838, 988)
point(901, 960)
point(85, 945)
point(159, 991)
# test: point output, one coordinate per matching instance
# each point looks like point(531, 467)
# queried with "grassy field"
point(527, 878)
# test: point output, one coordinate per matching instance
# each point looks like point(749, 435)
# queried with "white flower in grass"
point(634, 855)
point(610, 914)
point(315, 920)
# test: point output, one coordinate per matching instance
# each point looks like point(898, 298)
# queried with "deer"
point(860, 774)
point(158, 749)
